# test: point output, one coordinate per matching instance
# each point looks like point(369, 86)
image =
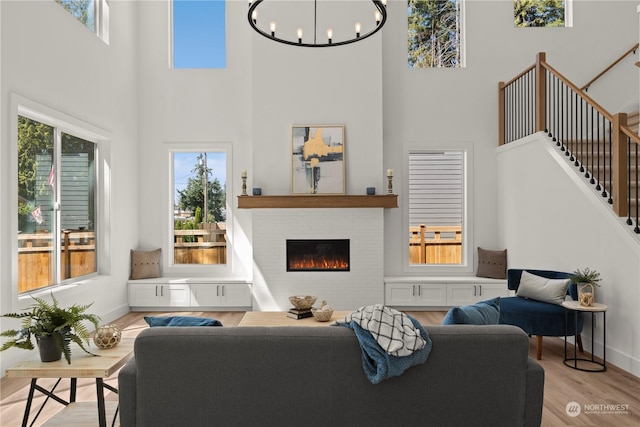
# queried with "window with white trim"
point(93, 14)
point(198, 34)
point(437, 207)
point(199, 214)
point(57, 204)
point(542, 13)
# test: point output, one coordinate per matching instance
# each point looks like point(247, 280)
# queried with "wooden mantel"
point(318, 201)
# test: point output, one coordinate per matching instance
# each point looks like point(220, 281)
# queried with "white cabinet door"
point(466, 294)
point(431, 295)
point(221, 295)
point(175, 295)
point(404, 294)
point(235, 295)
point(144, 295)
point(400, 294)
point(159, 295)
point(492, 291)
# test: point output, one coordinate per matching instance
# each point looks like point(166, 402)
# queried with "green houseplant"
point(586, 281)
point(50, 323)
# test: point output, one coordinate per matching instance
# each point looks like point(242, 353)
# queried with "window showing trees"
point(56, 205)
point(539, 13)
point(198, 34)
point(435, 34)
point(199, 214)
point(93, 14)
point(436, 207)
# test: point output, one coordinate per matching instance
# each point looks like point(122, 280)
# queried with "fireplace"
point(318, 255)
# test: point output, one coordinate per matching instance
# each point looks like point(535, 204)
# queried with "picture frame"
point(317, 160)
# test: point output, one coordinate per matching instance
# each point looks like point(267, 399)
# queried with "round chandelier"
point(371, 25)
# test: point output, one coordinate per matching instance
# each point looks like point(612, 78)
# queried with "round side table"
point(572, 362)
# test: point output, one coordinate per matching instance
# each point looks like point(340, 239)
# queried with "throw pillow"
point(542, 289)
point(145, 264)
point(492, 264)
point(181, 321)
point(481, 313)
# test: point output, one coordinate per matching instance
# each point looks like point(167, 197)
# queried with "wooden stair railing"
point(613, 64)
point(602, 145)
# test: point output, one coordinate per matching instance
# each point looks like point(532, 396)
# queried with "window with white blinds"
point(436, 206)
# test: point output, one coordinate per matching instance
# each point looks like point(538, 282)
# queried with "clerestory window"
point(93, 14)
point(542, 13)
point(198, 34)
point(435, 34)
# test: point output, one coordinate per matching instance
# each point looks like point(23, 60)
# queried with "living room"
point(144, 109)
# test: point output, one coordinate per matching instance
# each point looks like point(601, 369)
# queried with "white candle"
point(243, 174)
point(389, 172)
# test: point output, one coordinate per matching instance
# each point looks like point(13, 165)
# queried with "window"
point(198, 34)
point(199, 207)
point(56, 205)
point(435, 33)
point(541, 13)
point(93, 14)
point(436, 207)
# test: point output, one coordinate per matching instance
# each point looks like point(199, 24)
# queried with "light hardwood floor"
point(562, 384)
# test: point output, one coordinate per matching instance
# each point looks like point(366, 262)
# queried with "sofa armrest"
point(534, 394)
point(127, 387)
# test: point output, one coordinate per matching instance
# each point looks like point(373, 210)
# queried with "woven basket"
point(322, 315)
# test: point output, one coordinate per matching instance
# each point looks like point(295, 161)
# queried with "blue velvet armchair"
point(537, 318)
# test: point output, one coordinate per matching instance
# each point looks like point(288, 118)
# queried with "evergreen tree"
point(538, 13)
point(434, 33)
point(192, 197)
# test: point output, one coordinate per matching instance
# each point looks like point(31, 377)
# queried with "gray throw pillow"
point(542, 289)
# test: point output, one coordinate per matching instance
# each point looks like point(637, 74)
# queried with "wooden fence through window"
point(435, 244)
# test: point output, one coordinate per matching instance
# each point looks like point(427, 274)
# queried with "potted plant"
point(53, 327)
point(586, 281)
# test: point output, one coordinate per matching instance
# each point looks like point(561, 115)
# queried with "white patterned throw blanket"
point(392, 329)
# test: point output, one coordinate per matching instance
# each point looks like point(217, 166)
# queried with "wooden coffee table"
point(82, 365)
point(279, 318)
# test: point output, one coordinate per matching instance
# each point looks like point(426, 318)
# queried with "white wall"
point(50, 58)
point(552, 219)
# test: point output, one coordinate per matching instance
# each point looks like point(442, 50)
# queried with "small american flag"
point(52, 176)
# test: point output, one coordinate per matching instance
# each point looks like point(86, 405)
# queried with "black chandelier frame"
point(271, 36)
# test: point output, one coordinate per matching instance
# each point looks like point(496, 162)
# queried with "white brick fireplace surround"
point(343, 290)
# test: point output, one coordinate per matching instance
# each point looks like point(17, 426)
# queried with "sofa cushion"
point(481, 313)
point(181, 321)
point(145, 264)
point(492, 264)
point(542, 289)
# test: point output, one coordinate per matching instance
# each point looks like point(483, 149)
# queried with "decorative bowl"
point(322, 315)
point(302, 302)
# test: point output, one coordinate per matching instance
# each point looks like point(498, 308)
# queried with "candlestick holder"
point(389, 184)
point(244, 185)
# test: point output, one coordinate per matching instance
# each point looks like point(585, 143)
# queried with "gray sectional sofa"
point(313, 376)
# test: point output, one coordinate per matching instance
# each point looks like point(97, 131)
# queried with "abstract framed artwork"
point(317, 160)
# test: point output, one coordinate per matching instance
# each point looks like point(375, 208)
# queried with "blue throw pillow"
point(181, 321)
point(481, 313)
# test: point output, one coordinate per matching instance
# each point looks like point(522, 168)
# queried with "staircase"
point(603, 146)
point(593, 160)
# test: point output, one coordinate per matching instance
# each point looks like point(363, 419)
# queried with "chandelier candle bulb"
point(329, 34)
point(358, 27)
point(254, 16)
point(273, 28)
point(299, 35)
point(378, 17)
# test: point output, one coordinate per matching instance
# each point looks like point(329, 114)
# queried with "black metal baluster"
point(609, 192)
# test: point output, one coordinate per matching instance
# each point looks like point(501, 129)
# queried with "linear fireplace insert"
point(318, 255)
